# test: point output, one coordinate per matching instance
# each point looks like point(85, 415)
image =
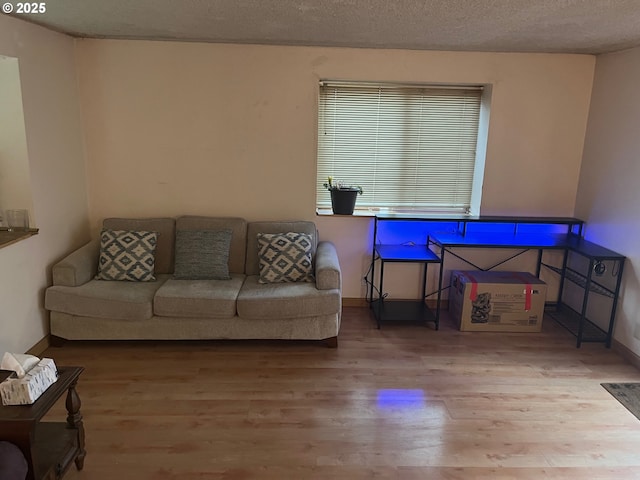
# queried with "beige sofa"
point(85, 308)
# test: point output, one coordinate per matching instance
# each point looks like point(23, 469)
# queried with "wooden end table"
point(49, 447)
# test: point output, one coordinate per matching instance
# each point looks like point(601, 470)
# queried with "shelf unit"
point(446, 233)
point(388, 310)
point(590, 280)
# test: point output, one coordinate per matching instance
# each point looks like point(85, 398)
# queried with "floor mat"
point(628, 394)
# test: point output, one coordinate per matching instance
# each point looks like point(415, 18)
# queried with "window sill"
point(327, 212)
point(399, 214)
point(10, 237)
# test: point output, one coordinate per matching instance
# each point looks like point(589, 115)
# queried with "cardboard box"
point(497, 301)
point(26, 390)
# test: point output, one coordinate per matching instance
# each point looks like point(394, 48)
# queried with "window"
point(411, 148)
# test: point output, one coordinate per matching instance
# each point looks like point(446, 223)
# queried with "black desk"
point(574, 320)
point(445, 233)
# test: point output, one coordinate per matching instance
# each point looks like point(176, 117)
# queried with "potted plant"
point(343, 197)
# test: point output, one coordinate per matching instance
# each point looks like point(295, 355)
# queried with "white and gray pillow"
point(202, 255)
point(127, 255)
point(285, 257)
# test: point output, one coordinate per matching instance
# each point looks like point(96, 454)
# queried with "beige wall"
point(186, 128)
point(176, 128)
point(58, 180)
point(608, 195)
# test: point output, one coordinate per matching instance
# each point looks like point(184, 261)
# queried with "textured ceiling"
point(571, 26)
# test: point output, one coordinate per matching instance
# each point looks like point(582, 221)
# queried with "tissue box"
point(26, 390)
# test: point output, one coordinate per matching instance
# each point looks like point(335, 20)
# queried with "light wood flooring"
point(403, 402)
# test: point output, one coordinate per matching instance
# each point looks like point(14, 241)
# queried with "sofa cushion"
point(198, 298)
point(254, 228)
point(127, 255)
point(202, 255)
point(166, 229)
point(102, 299)
point(238, 227)
point(285, 300)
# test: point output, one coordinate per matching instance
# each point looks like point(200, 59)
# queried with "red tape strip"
point(473, 293)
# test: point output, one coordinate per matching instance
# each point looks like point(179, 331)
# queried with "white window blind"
point(409, 148)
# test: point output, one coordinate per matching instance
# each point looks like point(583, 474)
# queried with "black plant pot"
point(343, 201)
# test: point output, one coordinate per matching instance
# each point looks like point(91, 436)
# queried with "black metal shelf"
point(570, 319)
point(464, 219)
point(581, 280)
point(501, 240)
point(402, 311)
point(406, 253)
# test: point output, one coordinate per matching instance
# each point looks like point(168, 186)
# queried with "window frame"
point(483, 99)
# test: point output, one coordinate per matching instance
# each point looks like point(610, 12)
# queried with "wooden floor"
point(404, 402)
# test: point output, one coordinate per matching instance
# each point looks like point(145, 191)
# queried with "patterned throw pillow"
point(285, 257)
point(202, 254)
point(127, 255)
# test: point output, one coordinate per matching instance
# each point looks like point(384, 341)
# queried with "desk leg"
point(379, 302)
point(440, 277)
point(612, 317)
point(74, 420)
point(438, 300)
point(436, 320)
point(539, 264)
point(585, 302)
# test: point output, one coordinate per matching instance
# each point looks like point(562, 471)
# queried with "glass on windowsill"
point(17, 220)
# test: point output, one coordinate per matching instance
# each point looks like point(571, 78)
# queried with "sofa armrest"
point(78, 267)
point(328, 274)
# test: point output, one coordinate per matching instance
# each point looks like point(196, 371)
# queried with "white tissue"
point(19, 363)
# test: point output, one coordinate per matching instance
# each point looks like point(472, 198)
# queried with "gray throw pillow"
point(127, 255)
point(202, 255)
point(285, 257)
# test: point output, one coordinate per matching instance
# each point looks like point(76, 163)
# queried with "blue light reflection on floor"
point(395, 399)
